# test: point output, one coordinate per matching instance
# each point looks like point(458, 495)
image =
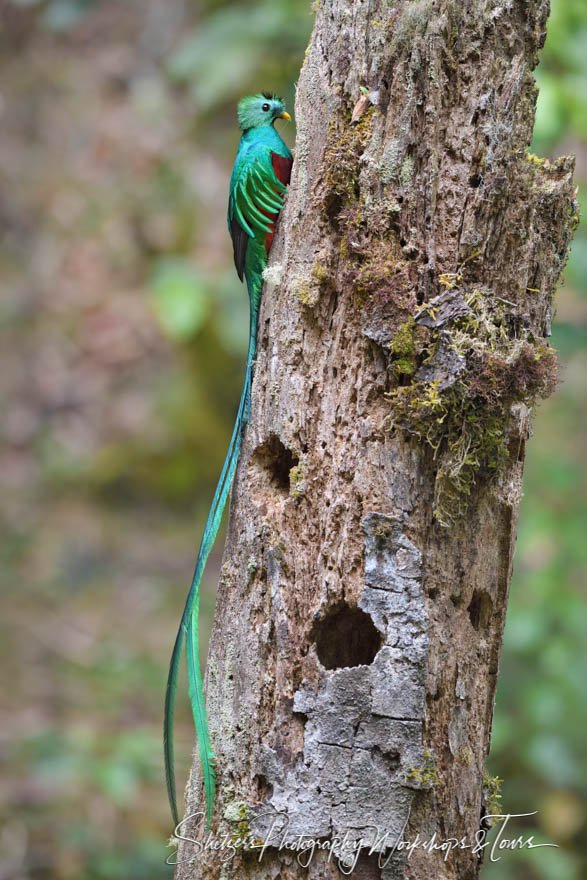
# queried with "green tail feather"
point(168, 723)
point(196, 691)
point(188, 628)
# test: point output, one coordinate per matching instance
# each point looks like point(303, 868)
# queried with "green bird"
point(259, 178)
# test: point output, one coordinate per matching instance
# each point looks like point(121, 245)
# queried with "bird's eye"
point(265, 107)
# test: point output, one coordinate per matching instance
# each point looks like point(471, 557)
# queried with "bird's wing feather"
point(255, 196)
point(239, 246)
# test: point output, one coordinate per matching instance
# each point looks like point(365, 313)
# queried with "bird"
point(259, 180)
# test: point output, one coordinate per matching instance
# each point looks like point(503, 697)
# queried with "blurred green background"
point(124, 335)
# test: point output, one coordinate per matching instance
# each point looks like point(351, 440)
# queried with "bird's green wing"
point(254, 200)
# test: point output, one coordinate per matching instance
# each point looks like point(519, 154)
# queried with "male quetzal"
point(259, 177)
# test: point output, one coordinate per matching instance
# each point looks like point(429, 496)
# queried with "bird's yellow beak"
point(285, 115)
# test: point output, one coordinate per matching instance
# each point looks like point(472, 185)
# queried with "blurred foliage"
point(561, 112)
point(254, 42)
point(541, 709)
point(538, 743)
point(59, 15)
point(179, 297)
point(119, 382)
point(562, 107)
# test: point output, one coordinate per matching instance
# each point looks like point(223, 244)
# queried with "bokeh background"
point(124, 336)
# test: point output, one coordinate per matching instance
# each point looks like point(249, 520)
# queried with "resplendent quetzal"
point(259, 177)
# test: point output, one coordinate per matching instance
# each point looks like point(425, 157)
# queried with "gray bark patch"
point(355, 780)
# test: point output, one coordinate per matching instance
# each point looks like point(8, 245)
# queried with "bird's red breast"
point(282, 167)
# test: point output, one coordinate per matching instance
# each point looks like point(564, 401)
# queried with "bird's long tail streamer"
point(188, 628)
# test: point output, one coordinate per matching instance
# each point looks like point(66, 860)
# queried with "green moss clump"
point(237, 813)
point(305, 295)
point(535, 160)
point(297, 487)
point(404, 349)
point(383, 530)
point(242, 827)
point(310, 289)
point(371, 257)
point(465, 423)
point(492, 794)
point(373, 266)
point(343, 152)
point(428, 775)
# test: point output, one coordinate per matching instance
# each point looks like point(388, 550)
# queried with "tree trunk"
point(355, 651)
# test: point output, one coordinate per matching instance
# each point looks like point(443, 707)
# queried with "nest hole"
point(263, 786)
point(346, 637)
point(480, 609)
point(367, 866)
point(275, 461)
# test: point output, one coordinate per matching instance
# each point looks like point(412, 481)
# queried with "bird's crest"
point(271, 96)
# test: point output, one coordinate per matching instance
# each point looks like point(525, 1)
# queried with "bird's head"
point(263, 109)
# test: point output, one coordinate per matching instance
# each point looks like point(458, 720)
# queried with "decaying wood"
point(355, 651)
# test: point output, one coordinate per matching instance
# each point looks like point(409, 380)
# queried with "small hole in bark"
point(276, 461)
point(264, 787)
point(346, 637)
point(390, 759)
point(475, 181)
point(367, 866)
point(439, 693)
point(480, 609)
point(333, 206)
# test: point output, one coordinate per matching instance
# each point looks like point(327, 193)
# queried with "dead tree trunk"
point(355, 651)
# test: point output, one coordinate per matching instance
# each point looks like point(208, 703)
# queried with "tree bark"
point(355, 651)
